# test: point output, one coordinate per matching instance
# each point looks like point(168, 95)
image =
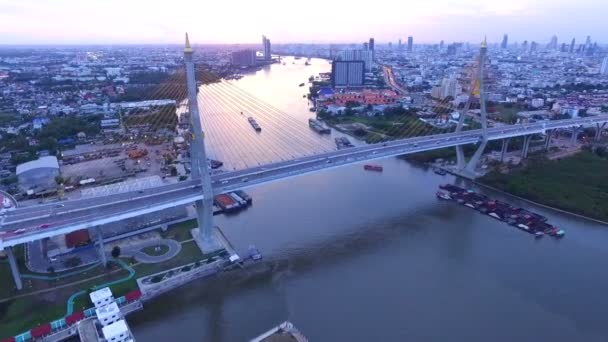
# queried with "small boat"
point(538, 235)
point(440, 172)
point(373, 167)
point(301, 85)
point(443, 195)
point(254, 253)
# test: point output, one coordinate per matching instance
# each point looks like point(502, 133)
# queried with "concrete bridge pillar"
point(14, 267)
point(598, 131)
point(548, 140)
point(505, 148)
point(575, 131)
point(472, 164)
point(526, 147)
point(100, 247)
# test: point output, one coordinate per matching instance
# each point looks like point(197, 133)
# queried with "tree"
point(59, 180)
point(115, 252)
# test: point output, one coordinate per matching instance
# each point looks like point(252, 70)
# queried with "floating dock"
point(318, 126)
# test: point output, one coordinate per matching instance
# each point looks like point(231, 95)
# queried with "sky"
point(305, 21)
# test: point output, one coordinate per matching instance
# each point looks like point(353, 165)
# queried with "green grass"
point(506, 114)
point(151, 250)
point(180, 231)
point(577, 183)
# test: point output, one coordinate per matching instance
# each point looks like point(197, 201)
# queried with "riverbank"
point(573, 185)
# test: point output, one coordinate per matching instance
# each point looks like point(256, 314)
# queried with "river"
point(351, 255)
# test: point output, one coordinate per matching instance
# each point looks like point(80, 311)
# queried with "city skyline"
point(151, 22)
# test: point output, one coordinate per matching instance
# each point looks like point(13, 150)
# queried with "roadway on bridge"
point(30, 223)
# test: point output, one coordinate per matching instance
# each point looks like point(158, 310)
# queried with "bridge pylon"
point(198, 157)
point(477, 88)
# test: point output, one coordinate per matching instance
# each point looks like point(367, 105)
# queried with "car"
point(384, 144)
point(60, 205)
point(375, 152)
point(224, 182)
point(245, 180)
point(44, 225)
point(329, 161)
point(140, 191)
point(415, 145)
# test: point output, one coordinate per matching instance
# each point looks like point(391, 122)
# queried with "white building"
point(108, 314)
point(101, 297)
point(117, 332)
point(537, 103)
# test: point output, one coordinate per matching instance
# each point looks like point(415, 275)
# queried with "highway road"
point(31, 223)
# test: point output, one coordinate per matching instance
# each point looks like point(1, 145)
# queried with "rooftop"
point(100, 294)
point(115, 329)
point(43, 162)
point(107, 311)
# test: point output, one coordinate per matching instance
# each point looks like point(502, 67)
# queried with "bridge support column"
point(598, 131)
point(548, 140)
point(100, 247)
point(472, 164)
point(575, 131)
point(505, 148)
point(526, 147)
point(14, 267)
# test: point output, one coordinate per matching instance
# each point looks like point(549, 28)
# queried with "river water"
point(351, 255)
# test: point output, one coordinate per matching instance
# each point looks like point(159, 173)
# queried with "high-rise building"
point(347, 73)
point(371, 44)
point(552, 43)
point(266, 48)
point(441, 45)
point(365, 46)
point(533, 46)
point(505, 40)
point(563, 48)
point(390, 45)
point(400, 46)
point(604, 67)
point(571, 49)
point(410, 43)
point(244, 57)
point(357, 55)
point(524, 45)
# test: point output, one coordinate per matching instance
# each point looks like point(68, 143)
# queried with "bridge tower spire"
point(198, 158)
point(477, 89)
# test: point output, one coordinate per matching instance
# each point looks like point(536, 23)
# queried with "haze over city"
point(313, 21)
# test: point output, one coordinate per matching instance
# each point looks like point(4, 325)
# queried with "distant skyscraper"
point(524, 45)
point(505, 40)
point(347, 73)
point(410, 43)
point(564, 48)
point(365, 46)
point(390, 45)
point(533, 46)
point(553, 43)
point(441, 45)
point(400, 46)
point(604, 67)
point(572, 44)
point(588, 41)
point(266, 48)
point(371, 44)
point(244, 58)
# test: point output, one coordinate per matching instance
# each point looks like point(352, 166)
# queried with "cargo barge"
point(318, 126)
point(343, 142)
point(254, 124)
point(231, 202)
point(519, 218)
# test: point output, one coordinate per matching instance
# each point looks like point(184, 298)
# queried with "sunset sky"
point(241, 21)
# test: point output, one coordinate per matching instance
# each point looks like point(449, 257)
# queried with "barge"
point(318, 126)
point(523, 219)
point(254, 124)
point(343, 142)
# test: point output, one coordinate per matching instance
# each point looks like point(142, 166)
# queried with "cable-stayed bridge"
point(285, 148)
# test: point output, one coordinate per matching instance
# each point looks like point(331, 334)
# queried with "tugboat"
point(373, 167)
